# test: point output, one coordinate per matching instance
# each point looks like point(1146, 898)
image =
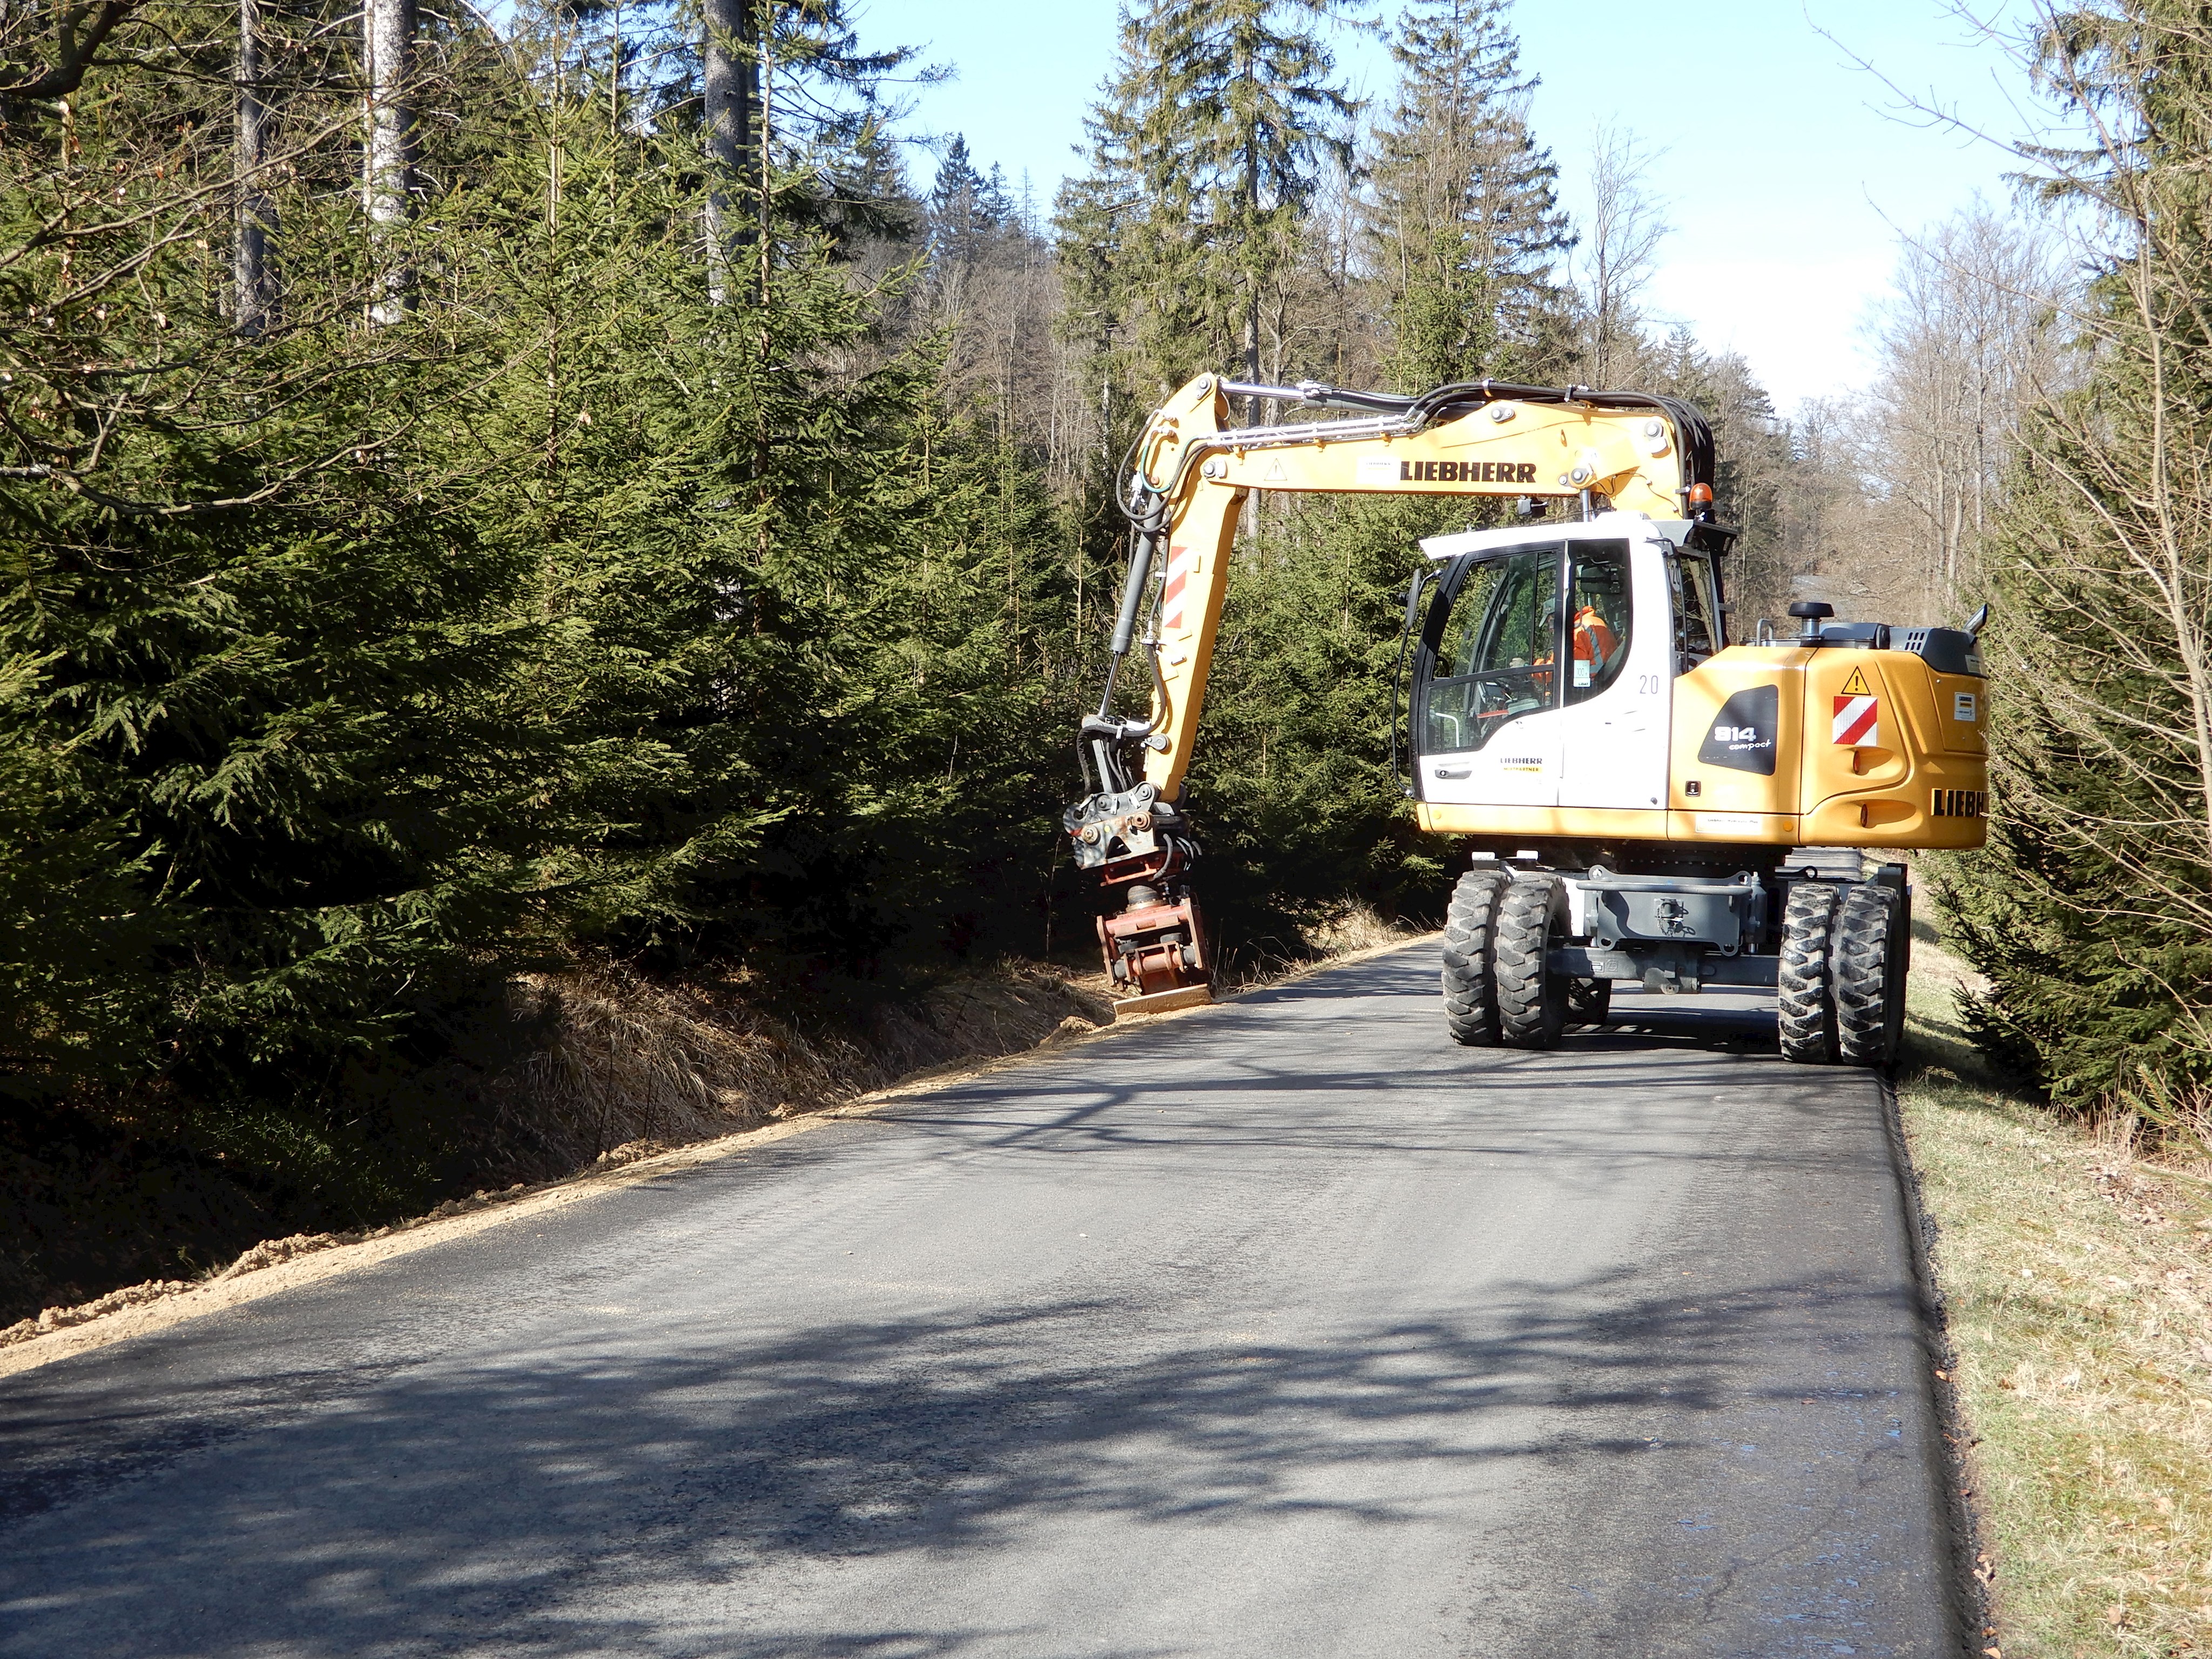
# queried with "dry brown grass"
point(2075, 1271)
point(1346, 932)
point(631, 1064)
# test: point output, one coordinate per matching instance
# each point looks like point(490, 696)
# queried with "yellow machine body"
point(1917, 777)
point(1921, 786)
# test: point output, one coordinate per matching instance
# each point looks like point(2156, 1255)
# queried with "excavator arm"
point(1191, 473)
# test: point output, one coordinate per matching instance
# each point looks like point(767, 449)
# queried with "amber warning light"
point(1701, 495)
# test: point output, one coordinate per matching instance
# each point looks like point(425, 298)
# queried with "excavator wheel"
point(1805, 1008)
point(1532, 999)
point(1470, 991)
point(1589, 1001)
point(1866, 963)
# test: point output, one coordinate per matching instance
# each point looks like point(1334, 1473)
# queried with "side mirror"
point(1977, 622)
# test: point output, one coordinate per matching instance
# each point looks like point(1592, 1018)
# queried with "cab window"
point(1601, 616)
point(1495, 649)
point(1696, 611)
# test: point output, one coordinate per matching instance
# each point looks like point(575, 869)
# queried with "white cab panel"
point(1519, 768)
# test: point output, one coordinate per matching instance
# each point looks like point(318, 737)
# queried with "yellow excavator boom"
point(1199, 469)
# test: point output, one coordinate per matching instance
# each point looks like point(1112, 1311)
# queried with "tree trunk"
point(733, 104)
point(253, 271)
point(388, 159)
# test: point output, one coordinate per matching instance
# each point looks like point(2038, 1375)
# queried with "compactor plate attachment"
point(1162, 1002)
point(1155, 949)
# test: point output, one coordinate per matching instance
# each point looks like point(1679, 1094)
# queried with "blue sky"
point(1789, 171)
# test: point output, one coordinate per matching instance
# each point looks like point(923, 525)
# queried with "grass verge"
point(2075, 1272)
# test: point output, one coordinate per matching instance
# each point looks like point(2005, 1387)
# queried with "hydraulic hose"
point(1143, 547)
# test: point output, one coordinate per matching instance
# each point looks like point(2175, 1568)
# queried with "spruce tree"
point(258, 621)
point(965, 211)
point(775, 669)
point(2091, 909)
point(1464, 231)
point(795, 115)
point(1206, 148)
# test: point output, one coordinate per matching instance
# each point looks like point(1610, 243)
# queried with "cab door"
point(1487, 684)
point(1614, 732)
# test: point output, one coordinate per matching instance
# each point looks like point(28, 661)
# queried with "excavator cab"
point(1545, 663)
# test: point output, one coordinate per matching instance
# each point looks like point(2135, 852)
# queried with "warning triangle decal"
point(1856, 686)
point(1276, 475)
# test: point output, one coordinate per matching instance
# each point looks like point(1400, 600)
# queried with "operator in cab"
point(1595, 641)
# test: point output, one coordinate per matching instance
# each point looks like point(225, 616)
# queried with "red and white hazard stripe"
point(1857, 721)
point(1179, 568)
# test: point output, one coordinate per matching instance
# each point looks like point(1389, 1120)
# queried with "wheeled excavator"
point(1632, 785)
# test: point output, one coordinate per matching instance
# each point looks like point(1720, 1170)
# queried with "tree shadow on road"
point(560, 1502)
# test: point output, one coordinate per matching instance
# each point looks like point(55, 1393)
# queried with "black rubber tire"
point(1589, 1001)
point(1470, 990)
point(1864, 954)
point(1900, 967)
point(1805, 1008)
point(1532, 1000)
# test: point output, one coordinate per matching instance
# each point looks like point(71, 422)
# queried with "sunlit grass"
point(2076, 1275)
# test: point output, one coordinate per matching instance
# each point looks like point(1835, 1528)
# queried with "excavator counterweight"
point(1631, 784)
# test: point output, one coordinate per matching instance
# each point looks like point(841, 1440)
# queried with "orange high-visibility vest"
point(1594, 640)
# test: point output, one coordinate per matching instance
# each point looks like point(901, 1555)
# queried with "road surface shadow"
point(433, 1506)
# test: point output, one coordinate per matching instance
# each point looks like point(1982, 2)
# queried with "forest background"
point(487, 500)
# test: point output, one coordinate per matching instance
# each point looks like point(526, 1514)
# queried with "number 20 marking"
point(1647, 686)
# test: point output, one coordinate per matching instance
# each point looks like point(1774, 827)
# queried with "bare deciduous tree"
point(1619, 249)
point(1967, 343)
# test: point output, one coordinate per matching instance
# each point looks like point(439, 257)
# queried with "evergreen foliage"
point(264, 651)
point(965, 209)
point(2091, 911)
point(1294, 780)
point(1206, 150)
point(1465, 227)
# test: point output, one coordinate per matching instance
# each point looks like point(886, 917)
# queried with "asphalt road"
point(1284, 1328)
